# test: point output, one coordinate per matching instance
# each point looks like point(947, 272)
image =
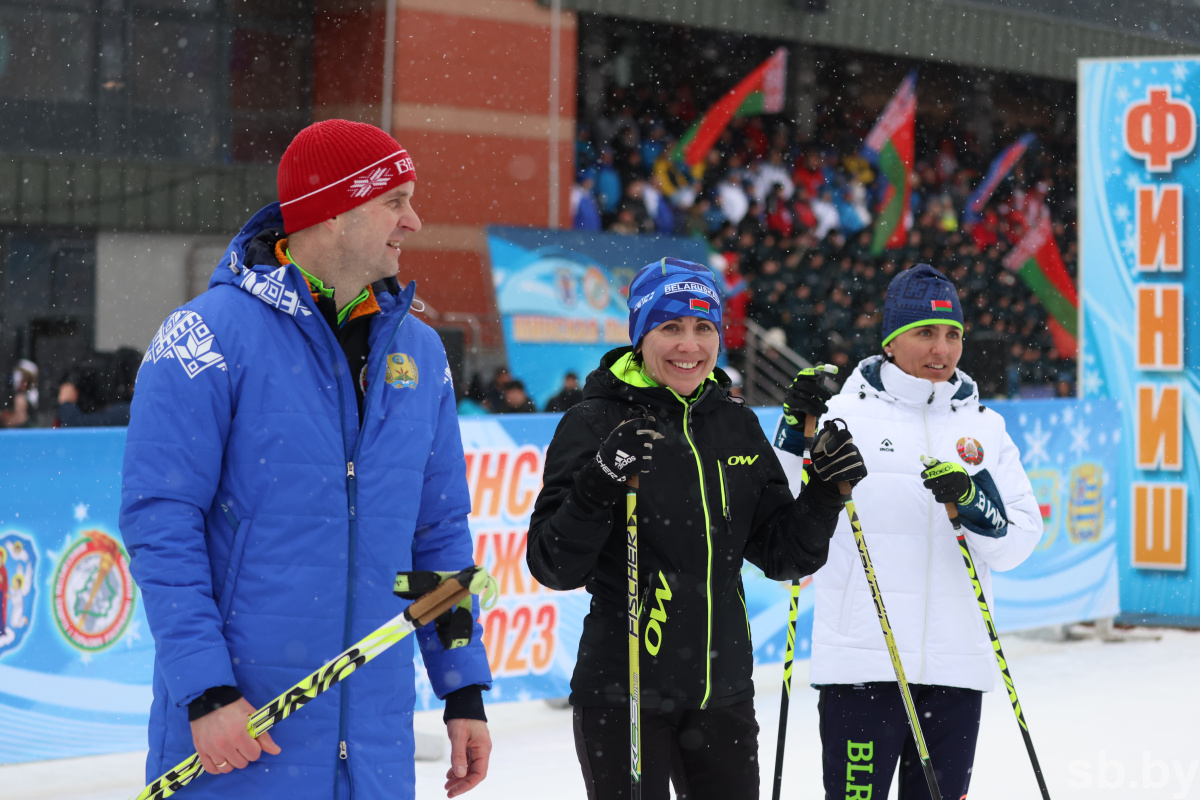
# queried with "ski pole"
point(909, 708)
point(422, 611)
point(810, 429)
point(635, 645)
point(952, 512)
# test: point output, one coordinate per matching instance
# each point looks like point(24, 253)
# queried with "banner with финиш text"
point(76, 653)
point(1139, 175)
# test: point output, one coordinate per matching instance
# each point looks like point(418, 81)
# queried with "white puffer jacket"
point(895, 419)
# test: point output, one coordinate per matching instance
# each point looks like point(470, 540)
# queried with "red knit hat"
point(334, 166)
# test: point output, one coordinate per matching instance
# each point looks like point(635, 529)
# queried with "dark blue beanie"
point(920, 296)
point(671, 288)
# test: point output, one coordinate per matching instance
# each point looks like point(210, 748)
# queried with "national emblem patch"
point(401, 371)
point(970, 450)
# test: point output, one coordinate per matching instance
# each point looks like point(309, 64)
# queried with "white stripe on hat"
point(348, 177)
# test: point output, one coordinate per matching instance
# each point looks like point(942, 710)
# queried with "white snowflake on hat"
point(369, 183)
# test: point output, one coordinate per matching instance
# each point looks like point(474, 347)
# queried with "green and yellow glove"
point(949, 482)
point(454, 627)
point(977, 498)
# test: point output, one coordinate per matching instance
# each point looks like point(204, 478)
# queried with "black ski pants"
point(709, 754)
point(864, 730)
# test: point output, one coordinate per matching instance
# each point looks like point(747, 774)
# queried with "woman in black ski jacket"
point(711, 494)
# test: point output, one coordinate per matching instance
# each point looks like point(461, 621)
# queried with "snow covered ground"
point(1110, 721)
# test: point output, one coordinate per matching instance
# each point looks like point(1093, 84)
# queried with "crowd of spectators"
point(96, 391)
point(791, 218)
point(506, 395)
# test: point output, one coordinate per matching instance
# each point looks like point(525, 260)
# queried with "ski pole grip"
point(632, 482)
point(810, 429)
point(844, 488)
point(952, 513)
point(428, 607)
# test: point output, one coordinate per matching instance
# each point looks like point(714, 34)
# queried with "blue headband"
point(668, 289)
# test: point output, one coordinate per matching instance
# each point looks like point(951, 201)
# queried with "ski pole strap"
point(984, 514)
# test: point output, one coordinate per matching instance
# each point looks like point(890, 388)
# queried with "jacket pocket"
point(224, 595)
point(746, 611)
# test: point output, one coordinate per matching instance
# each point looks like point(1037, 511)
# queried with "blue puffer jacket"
point(265, 528)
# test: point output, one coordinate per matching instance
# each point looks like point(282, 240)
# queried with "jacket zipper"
point(708, 539)
point(352, 495)
point(928, 541)
point(229, 517)
point(724, 497)
point(352, 516)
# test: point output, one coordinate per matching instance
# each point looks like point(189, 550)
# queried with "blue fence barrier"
point(76, 651)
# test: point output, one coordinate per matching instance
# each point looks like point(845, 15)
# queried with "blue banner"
point(561, 296)
point(76, 655)
point(1069, 451)
point(1139, 185)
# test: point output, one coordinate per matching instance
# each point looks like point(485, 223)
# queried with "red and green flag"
point(890, 145)
point(1037, 260)
point(760, 92)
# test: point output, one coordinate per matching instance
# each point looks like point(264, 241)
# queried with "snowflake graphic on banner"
point(368, 183)
point(186, 338)
point(1035, 445)
point(1080, 437)
point(272, 290)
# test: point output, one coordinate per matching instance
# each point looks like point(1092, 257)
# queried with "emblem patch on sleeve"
point(401, 371)
point(186, 338)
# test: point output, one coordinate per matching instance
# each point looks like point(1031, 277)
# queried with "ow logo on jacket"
point(658, 615)
point(738, 461)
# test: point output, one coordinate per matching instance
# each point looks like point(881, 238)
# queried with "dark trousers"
point(707, 754)
point(864, 731)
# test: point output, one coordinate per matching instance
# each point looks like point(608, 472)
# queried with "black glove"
point(629, 448)
point(949, 483)
point(835, 459)
point(807, 396)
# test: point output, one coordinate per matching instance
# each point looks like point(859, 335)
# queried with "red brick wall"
point(471, 104)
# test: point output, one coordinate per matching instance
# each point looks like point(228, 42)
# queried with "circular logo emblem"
point(595, 288)
point(18, 588)
point(93, 592)
point(970, 450)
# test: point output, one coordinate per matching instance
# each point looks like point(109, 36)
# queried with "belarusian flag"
point(997, 172)
point(1037, 260)
point(760, 92)
point(890, 145)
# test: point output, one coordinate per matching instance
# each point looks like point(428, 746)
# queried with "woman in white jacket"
point(908, 403)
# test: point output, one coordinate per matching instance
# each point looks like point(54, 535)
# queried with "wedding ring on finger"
point(222, 765)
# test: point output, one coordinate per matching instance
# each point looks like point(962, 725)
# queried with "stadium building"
point(139, 134)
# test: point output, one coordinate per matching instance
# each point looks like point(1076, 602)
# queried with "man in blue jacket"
point(293, 444)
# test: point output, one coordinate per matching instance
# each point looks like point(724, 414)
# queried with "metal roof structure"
point(1043, 38)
